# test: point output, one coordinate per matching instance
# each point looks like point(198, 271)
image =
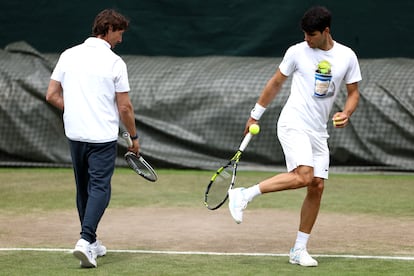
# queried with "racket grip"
point(127, 138)
point(245, 141)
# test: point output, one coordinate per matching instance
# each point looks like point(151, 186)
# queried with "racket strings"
point(223, 180)
point(224, 175)
point(134, 164)
point(140, 166)
point(216, 193)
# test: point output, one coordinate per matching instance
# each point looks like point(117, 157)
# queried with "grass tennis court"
point(369, 215)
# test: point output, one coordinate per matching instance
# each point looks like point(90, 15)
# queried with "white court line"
point(402, 258)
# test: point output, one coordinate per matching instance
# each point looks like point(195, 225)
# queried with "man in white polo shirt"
point(90, 84)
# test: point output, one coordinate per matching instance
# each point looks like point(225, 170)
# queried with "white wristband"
point(257, 111)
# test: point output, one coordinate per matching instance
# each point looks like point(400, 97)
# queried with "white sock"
point(301, 240)
point(251, 192)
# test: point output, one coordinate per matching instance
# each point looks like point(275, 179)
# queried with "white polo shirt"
point(90, 74)
point(311, 99)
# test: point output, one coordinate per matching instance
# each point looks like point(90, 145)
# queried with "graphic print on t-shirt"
point(324, 87)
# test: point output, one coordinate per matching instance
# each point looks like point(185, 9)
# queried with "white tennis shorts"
point(305, 147)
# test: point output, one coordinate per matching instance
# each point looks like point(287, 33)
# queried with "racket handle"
point(245, 141)
point(127, 138)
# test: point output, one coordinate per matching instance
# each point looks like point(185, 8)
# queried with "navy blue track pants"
point(93, 165)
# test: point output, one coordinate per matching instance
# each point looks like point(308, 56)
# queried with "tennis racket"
point(138, 163)
point(224, 178)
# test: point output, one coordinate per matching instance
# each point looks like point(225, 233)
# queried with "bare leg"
point(311, 205)
point(301, 177)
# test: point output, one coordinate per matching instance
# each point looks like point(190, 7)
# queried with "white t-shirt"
point(91, 74)
point(312, 95)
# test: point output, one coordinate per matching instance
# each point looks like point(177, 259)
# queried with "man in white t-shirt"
point(90, 84)
point(318, 66)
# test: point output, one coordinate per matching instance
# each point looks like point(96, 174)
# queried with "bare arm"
point(269, 92)
point(341, 119)
point(54, 94)
point(127, 116)
point(271, 89)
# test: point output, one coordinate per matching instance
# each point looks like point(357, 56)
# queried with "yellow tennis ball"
point(324, 67)
point(254, 129)
point(337, 121)
point(324, 71)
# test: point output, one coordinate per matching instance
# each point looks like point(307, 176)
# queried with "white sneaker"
point(99, 248)
point(85, 254)
point(301, 257)
point(237, 203)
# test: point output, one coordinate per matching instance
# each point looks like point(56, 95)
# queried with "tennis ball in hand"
point(254, 129)
point(337, 121)
point(324, 67)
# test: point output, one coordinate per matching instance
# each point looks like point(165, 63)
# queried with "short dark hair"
point(316, 19)
point(106, 18)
